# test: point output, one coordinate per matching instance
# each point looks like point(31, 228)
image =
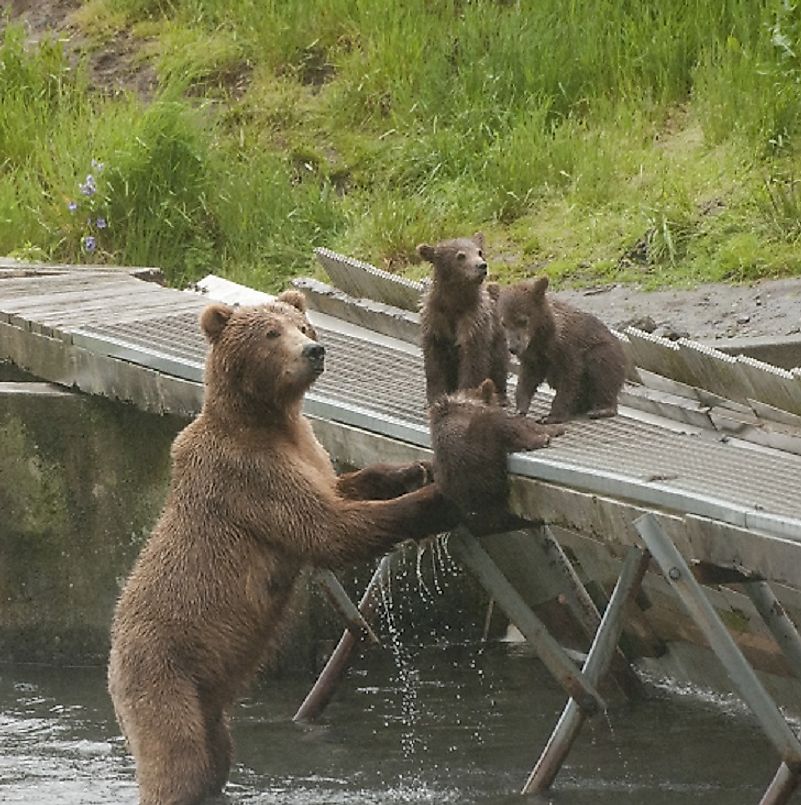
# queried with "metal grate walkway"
point(377, 384)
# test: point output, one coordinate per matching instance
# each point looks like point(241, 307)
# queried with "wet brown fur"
point(462, 338)
point(577, 354)
point(472, 436)
point(253, 498)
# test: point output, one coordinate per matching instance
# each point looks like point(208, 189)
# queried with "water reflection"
point(442, 725)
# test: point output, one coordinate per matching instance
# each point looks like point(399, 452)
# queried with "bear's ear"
point(478, 239)
point(487, 390)
point(293, 297)
point(494, 290)
point(213, 320)
point(427, 252)
point(539, 286)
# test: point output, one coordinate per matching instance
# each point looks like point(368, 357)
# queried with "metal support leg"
point(781, 788)
point(467, 549)
point(600, 656)
point(740, 672)
point(345, 608)
point(586, 613)
point(776, 619)
point(321, 693)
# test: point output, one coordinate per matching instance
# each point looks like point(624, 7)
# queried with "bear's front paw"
point(417, 475)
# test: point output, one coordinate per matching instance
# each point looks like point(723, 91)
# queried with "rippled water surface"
point(443, 725)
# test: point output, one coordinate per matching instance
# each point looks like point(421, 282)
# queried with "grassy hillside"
point(599, 140)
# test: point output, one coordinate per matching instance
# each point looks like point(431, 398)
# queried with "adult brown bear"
point(253, 498)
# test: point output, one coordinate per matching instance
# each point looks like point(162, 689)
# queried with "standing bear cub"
point(472, 436)
point(253, 497)
point(462, 338)
point(577, 354)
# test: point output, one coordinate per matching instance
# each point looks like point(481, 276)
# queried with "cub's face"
point(465, 402)
point(269, 352)
point(459, 261)
point(522, 308)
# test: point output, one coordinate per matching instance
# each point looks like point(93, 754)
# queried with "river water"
point(417, 725)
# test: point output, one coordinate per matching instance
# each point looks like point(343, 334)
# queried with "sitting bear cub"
point(472, 435)
point(577, 354)
point(461, 334)
point(253, 497)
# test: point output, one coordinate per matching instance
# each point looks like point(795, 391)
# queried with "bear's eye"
point(304, 329)
point(273, 332)
point(461, 256)
point(481, 254)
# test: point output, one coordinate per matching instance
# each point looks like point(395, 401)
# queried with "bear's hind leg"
point(168, 739)
point(220, 747)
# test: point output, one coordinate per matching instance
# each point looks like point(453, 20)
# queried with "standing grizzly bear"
point(574, 351)
point(462, 338)
point(472, 435)
point(253, 497)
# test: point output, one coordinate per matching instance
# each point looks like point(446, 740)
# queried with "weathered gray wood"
point(466, 549)
point(742, 675)
point(598, 659)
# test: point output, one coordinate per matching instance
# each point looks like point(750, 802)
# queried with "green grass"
point(597, 140)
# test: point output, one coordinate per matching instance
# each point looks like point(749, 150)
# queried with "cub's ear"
point(487, 390)
point(213, 320)
point(494, 290)
point(293, 297)
point(427, 252)
point(539, 286)
point(478, 239)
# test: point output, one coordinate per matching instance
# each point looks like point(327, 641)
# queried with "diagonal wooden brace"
point(463, 546)
point(322, 691)
point(597, 663)
point(742, 675)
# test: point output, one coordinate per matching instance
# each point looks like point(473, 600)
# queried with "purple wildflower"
point(89, 188)
point(97, 166)
point(72, 206)
point(89, 243)
point(100, 223)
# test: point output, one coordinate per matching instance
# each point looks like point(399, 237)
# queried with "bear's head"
point(457, 262)
point(524, 312)
point(465, 402)
point(264, 356)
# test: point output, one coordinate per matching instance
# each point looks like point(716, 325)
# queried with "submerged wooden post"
point(322, 691)
point(467, 549)
point(598, 660)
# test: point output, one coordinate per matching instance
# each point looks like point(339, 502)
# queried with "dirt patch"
point(770, 307)
point(112, 69)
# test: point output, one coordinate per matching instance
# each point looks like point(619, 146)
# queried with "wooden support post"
point(323, 689)
point(467, 549)
point(586, 613)
point(344, 607)
point(742, 675)
point(777, 620)
point(600, 656)
point(781, 788)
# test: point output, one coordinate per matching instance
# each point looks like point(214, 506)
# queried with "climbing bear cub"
point(574, 351)
point(462, 338)
point(472, 435)
point(253, 497)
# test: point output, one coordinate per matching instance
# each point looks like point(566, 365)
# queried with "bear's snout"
point(315, 354)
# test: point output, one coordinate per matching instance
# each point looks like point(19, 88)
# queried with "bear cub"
point(472, 434)
point(577, 354)
point(462, 338)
